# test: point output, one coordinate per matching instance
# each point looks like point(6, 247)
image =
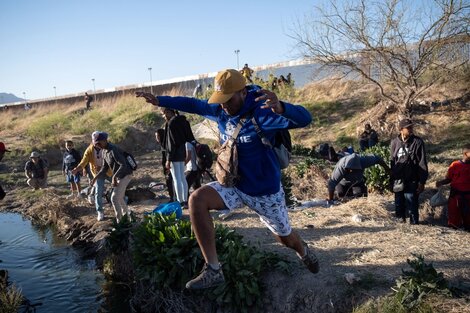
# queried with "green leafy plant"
point(376, 177)
point(118, 238)
point(422, 280)
point(302, 167)
point(166, 255)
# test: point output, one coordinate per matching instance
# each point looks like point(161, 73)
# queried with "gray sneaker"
point(207, 278)
point(310, 260)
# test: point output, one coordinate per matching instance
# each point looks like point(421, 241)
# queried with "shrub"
point(167, 255)
point(413, 286)
point(301, 167)
point(49, 129)
point(376, 176)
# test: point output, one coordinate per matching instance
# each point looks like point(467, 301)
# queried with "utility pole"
point(237, 52)
point(151, 85)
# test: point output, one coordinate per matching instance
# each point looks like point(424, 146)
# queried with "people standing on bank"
point(458, 175)
point(259, 184)
point(71, 158)
point(36, 171)
point(348, 178)
point(88, 100)
point(177, 133)
point(369, 138)
point(159, 136)
point(115, 160)
point(409, 171)
point(93, 157)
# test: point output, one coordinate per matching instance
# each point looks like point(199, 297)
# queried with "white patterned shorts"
point(271, 209)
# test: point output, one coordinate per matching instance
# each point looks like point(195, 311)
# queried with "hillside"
point(373, 248)
point(8, 98)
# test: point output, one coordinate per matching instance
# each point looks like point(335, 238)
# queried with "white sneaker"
point(100, 216)
point(70, 196)
point(91, 200)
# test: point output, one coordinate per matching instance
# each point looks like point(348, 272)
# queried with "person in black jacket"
point(159, 136)
point(409, 171)
point(114, 158)
point(177, 133)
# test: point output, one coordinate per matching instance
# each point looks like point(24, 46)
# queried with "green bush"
point(376, 176)
point(422, 280)
point(49, 129)
point(167, 255)
point(302, 167)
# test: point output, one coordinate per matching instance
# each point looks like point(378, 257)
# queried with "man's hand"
point(270, 101)
point(149, 98)
point(168, 165)
point(114, 181)
point(75, 170)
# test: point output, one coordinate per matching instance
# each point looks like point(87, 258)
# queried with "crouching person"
point(115, 160)
point(36, 170)
point(348, 178)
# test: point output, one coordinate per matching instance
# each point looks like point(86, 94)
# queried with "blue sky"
point(47, 43)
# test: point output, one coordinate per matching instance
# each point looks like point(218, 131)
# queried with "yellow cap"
point(227, 83)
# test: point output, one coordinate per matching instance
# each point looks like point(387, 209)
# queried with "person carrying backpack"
point(177, 133)
point(259, 175)
point(114, 158)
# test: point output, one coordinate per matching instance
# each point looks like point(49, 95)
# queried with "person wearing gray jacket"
point(114, 158)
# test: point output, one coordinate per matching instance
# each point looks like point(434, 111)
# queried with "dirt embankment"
point(359, 238)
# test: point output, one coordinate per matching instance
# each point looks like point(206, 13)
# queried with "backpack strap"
point(264, 140)
point(239, 127)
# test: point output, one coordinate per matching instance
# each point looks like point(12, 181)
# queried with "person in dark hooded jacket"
point(409, 171)
point(177, 133)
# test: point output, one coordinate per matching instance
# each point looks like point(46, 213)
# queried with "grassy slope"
point(339, 109)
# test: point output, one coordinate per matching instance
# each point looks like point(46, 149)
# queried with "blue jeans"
point(406, 201)
point(99, 190)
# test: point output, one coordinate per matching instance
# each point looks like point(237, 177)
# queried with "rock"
point(351, 278)
point(358, 218)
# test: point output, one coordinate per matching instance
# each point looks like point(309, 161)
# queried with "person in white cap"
point(93, 156)
point(115, 160)
point(36, 170)
point(234, 105)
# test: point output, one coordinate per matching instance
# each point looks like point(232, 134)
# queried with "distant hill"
point(8, 98)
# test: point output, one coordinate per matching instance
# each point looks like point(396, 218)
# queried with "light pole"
point(238, 63)
point(55, 95)
point(24, 96)
point(151, 87)
point(94, 88)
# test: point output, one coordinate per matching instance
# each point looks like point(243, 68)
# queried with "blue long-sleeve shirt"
point(258, 166)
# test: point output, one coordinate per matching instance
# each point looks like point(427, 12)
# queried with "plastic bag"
point(438, 199)
point(169, 208)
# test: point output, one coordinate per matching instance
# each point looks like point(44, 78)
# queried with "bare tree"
point(391, 43)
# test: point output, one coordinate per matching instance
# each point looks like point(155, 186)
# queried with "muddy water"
point(50, 274)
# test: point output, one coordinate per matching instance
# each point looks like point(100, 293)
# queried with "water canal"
point(51, 274)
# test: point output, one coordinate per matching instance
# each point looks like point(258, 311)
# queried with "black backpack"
point(204, 157)
point(130, 160)
point(282, 144)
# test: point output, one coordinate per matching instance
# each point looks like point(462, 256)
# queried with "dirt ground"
point(359, 239)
